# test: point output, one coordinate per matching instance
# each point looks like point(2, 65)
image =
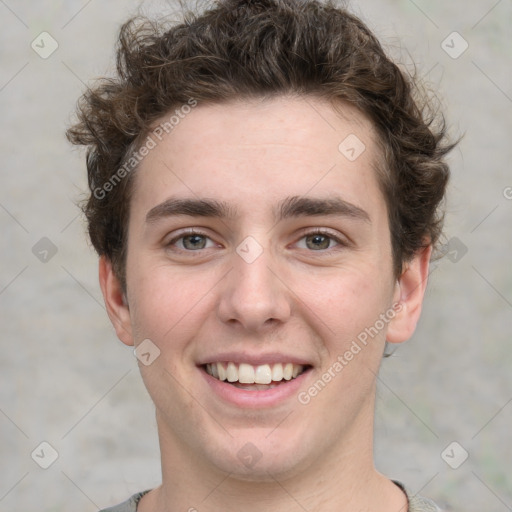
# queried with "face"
point(259, 265)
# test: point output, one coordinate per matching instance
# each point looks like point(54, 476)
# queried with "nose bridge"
point(252, 295)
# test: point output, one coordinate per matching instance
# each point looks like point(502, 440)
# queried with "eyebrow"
point(309, 207)
point(191, 207)
point(295, 206)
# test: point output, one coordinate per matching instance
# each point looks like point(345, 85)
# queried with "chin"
point(255, 457)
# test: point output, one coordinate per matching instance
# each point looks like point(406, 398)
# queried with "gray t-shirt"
point(416, 503)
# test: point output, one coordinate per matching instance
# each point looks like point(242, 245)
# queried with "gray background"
point(67, 380)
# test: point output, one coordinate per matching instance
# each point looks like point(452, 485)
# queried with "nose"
point(253, 295)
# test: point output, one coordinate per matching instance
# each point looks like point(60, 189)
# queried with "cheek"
point(344, 311)
point(343, 304)
point(167, 303)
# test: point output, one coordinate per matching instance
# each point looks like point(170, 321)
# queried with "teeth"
point(277, 372)
point(263, 374)
point(232, 372)
point(245, 374)
point(248, 374)
point(220, 370)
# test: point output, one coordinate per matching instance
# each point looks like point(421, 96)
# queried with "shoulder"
point(129, 505)
point(418, 503)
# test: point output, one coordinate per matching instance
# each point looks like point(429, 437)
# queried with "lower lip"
point(257, 398)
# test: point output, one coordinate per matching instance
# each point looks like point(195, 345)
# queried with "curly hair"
point(242, 49)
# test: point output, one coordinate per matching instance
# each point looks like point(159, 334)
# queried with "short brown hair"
point(241, 49)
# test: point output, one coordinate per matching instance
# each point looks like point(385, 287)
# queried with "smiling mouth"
point(256, 378)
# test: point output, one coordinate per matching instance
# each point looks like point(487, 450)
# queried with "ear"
point(409, 292)
point(115, 301)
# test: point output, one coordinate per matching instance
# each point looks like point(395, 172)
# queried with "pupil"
point(319, 241)
point(194, 242)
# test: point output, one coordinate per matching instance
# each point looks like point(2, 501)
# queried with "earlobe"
point(409, 293)
point(115, 301)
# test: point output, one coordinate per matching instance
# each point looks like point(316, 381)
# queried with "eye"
point(192, 241)
point(319, 241)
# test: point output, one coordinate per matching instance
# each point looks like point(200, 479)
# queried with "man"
point(265, 201)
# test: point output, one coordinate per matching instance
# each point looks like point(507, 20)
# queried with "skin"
point(293, 299)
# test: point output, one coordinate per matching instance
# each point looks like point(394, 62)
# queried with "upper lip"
point(254, 359)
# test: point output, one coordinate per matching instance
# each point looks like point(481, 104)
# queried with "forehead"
point(279, 146)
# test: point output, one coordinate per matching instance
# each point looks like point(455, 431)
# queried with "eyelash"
point(304, 234)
